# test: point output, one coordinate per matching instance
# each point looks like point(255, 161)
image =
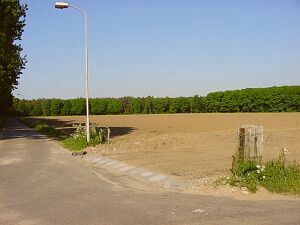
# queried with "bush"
point(75, 144)
point(282, 177)
point(77, 140)
point(247, 175)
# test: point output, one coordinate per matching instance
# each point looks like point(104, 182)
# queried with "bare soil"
point(190, 146)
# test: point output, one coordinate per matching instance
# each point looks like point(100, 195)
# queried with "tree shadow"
point(120, 131)
point(13, 129)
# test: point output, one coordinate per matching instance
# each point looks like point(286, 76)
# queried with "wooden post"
point(108, 134)
point(250, 141)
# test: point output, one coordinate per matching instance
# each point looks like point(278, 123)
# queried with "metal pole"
point(86, 81)
point(87, 123)
point(62, 5)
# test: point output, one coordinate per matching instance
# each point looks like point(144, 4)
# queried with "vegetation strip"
point(74, 142)
point(273, 99)
point(276, 175)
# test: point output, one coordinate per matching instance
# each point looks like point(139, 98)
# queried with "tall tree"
point(12, 22)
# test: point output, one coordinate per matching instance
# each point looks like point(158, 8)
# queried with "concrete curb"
point(160, 179)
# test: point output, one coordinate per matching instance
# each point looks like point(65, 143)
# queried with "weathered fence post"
point(108, 134)
point(250, 144)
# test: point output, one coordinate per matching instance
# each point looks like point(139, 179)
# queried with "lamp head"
point(61, 5)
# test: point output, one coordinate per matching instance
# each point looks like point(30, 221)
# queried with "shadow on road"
point(15, 129)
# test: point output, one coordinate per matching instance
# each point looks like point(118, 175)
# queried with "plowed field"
point(190, 145)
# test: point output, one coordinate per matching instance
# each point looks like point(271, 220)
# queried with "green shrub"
point(247, 175)
point(77, 140)
point(276, 175)
point(75, 144)
point(282, 177)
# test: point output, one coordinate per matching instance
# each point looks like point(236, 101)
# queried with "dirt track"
point(191, 145)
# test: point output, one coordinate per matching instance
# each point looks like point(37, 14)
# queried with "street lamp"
point(63, 5)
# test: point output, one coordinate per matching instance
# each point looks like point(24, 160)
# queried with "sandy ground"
point(190, 146)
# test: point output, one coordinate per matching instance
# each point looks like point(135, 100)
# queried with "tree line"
point(272, 99)
point(12, 22)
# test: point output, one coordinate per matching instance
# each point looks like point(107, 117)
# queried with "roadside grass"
point(282, 178)
point(276, 175)
point(74, 142)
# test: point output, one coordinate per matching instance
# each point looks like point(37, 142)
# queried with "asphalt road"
point(41, 184)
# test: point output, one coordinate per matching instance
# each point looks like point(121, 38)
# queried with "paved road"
point(41, 184)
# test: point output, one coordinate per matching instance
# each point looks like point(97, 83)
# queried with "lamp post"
point(63, 5)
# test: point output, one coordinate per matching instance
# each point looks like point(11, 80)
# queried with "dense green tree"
point(78, 106)
point(175, 105)
point(98, 106)
point(148, 105)
point(66, 109)
point(137, 105)
point(126, 105)
point(161, 105)
point(184, 105)
point(45, 105)
point(56, 106)
point(114, 106)
point(12, 22)
point(36, 108)
point(19, 107)
point(274, 99)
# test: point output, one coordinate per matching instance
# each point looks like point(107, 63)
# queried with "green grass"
point(276, 176)
point(282, 178)
point(79, 143)
point(75, 144)
point(68, 141)
point(50, 131)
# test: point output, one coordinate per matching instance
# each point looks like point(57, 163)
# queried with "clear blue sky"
point(160, 47)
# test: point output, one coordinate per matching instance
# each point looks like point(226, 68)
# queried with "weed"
point(75, 144)
point(77, 140)
point(282, 177)
point(276, 175)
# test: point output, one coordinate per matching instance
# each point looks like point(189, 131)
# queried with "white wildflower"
point(257, 171)
point(264, 177)
point(285, 151)
point(258, 166)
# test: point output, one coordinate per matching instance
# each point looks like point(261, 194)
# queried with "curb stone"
point(149, 176)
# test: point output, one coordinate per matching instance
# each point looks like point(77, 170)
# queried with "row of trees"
point(274, 99)
point(12, 21)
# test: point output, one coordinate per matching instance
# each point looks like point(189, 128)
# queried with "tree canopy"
point(12, 22)
point(273, 99)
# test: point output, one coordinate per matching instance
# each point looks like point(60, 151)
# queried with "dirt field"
point(190, 145)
